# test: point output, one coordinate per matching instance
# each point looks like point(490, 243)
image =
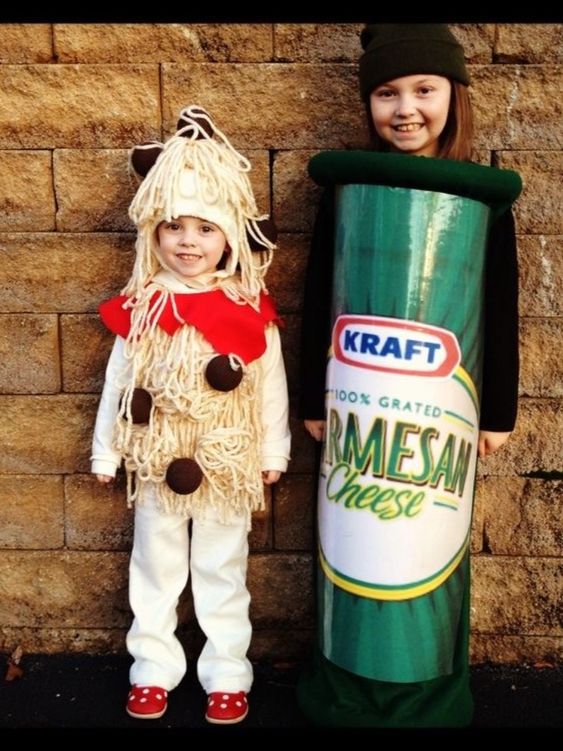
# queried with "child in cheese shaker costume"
point(413, 81)
point(195, 403)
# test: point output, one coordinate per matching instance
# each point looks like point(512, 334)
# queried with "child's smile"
point(408, 128)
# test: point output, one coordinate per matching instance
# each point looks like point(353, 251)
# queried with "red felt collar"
point(228, 327)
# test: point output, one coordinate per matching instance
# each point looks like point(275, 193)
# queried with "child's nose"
point(188, 236)
point(405, 106)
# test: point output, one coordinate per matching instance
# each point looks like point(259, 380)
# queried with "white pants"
point(158, 573)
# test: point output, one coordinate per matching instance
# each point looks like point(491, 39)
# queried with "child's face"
point(410, 112)
point(190, 246)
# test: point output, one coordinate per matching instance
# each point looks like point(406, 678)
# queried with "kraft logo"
point(395, 346)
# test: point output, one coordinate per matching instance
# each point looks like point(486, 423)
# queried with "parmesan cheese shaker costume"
point(195, 403)
point(420, 301)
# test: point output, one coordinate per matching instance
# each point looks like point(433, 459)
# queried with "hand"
point(270, 476)
point(316, 428)
point(490, 441)
point(104, 479)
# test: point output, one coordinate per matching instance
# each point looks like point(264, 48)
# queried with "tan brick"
point(280, 646)
point(46, 434)
point(476, 39)
point(540, 258)
point(517, 596)
point(329, 42)
point(281, 589)
point(290, 106)
point(158, 43)
point(186, 615)
point(26, 43)
point(290, 339)
point(510, 106)
point(94, 189)
point(96, 515)
point(272, 645)
point(260, 537)
point(31, 512)
point(529, 43)
point(62, 273)
point(294, 504)
point(539, 209)
point(27, 200)
point(286, 275)
point(64, 640)
point(317, 42)
point(29, 354)
point(516, 650)
point(296, 196)
point(302, 448)
point(86, 345)
point(523, 516)
point(67, 589)
point(541, 344)
point(192, 638)
point(260, 179)
point(478, 520)
point(535, 445)
point(482, 156)
point(81, 106)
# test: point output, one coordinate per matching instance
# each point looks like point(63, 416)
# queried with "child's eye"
point(425, 90)
point(384, 93)
point(172, 226)
point(207, 228)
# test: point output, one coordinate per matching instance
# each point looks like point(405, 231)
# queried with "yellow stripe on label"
point(461, 375)
point(406, 592)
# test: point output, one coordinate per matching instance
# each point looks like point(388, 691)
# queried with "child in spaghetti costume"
point(195, 403)
point(413, 81)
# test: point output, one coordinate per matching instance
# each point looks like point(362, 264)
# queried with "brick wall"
point(73, 99)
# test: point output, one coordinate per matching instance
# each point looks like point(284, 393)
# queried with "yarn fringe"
point(221, 430)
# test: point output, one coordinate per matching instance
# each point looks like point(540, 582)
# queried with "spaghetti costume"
point(195, 404)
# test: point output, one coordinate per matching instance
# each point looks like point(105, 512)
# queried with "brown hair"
point(456, 140)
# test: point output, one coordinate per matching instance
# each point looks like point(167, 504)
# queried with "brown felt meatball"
point(200, 121)
point(184, 476)
point(143, 157)
point(141, 403)
point(268, 228)
point(221, 376)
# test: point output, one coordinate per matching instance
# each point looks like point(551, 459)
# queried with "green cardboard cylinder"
point(403, 388)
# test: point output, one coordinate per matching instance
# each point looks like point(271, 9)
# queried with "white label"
point(397, 476)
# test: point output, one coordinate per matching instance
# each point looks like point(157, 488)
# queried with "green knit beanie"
point(402, 49)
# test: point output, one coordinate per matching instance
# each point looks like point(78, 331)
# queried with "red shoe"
point(146, 702)
point(224, 708)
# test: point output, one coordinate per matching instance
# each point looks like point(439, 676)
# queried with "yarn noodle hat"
point(401, 49)
point(198, 173)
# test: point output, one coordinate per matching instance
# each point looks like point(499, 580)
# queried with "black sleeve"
point(499, 399)
point(315, 328)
